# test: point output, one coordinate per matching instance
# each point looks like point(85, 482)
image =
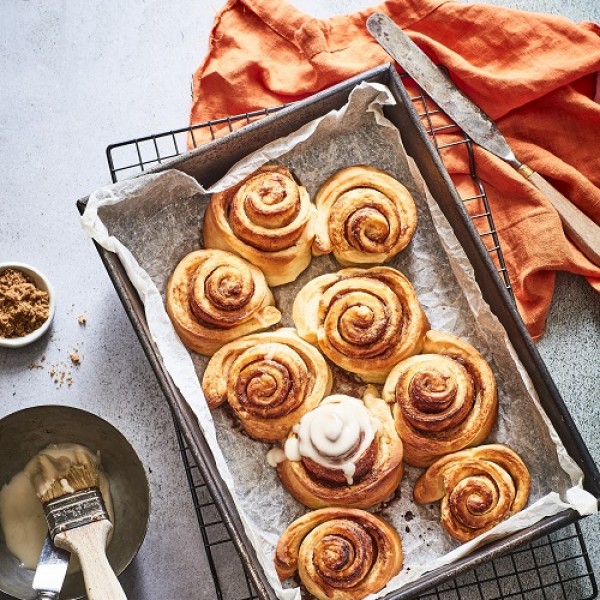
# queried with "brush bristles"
point(79, 477)
point(55, 478)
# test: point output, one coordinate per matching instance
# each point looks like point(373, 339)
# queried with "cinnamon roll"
point(365, 217)
point(345, 452)
point(444, 399)
point(214, 297)
point(479, 487)
point(270, 380)
point(363, 320)
point(267, 219)
point(340, 553)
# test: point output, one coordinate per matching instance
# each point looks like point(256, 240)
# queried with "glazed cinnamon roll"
point(479, 487)
point(267, 219)
point(444, 399)
point(214, 297)
point(340, 553)
point(270, 380)
point(365, 217)
point(345, 452)
point(363, 320)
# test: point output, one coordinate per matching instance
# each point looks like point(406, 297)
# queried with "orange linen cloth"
point(535, 74)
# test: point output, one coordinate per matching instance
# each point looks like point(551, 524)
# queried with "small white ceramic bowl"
point(43, 284)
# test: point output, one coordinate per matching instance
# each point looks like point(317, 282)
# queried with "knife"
point(51, 571)
point(582, 231)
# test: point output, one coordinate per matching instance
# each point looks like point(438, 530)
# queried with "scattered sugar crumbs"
point(38, 365)
point(61, 373)
point(23, 306)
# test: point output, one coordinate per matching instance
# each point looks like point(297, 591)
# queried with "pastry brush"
point(77, 518)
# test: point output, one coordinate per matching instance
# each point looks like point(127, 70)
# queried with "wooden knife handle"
point(89, 543)
point(582, 231)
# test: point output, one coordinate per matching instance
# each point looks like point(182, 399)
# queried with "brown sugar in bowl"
point(42, 283)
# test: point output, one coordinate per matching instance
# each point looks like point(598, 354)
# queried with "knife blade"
point(51, 571)
point(583, 232)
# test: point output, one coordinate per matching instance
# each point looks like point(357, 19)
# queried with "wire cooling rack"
point(555, 567)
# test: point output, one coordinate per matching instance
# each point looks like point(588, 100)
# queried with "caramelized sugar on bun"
point(214, 297)
point(363, 320)
point(268, 219)
point(444, 399)
point(365, 217)
point(340, 553)
point(270, 380)
point(478, 487)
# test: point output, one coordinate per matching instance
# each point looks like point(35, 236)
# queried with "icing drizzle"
point(334, 435)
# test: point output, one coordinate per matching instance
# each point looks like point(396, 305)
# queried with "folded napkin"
point(535, 74)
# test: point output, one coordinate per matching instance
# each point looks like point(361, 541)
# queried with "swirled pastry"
point(444, 399)
point(270, 380)
point(363, 320)
point(267, 219)
point(345, 452)
point(214, 297)
point(365, 217)
point(479, 487)
point(340, 553)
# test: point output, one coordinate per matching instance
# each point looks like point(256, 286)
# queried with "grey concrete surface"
point(77, 76)
point(570, 349)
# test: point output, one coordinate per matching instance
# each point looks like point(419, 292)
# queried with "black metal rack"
point(555, 567)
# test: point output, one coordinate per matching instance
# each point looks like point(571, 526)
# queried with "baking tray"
point(210, 162)
point(556, 566)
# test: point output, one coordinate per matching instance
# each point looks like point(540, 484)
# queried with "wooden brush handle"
point(582, 231)
point(89, 543)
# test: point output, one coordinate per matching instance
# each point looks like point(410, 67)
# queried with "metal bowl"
point(24, 433)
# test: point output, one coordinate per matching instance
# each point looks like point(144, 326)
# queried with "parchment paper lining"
point(151, 222)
